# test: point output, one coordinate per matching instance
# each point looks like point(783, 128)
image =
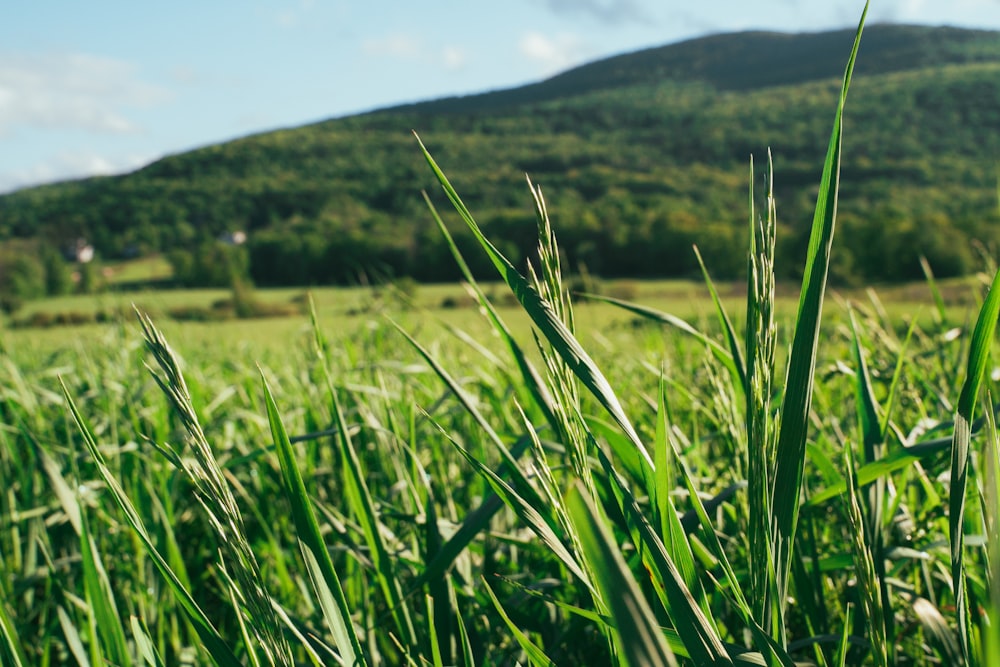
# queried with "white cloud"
point(69, 165)
point(453, 57)
point(553, 54)
point(72, 91)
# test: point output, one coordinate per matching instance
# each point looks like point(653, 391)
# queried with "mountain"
point(639, 155)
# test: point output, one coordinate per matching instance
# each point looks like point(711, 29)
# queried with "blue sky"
point(107, 86)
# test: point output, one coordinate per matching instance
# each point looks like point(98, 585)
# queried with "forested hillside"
point(640, 156)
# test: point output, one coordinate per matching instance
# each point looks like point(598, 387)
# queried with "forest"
point(639, 157)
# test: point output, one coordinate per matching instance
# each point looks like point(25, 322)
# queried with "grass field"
point(761, 481)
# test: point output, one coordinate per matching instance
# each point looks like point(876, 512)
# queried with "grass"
point(150, 269)
point(805, 482)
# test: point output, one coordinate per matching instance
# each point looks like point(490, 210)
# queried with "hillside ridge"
point(743, 60)
point(637, 161)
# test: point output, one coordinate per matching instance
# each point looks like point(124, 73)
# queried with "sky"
point(108, 86)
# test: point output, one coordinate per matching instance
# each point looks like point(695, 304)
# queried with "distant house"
point(234, 238)
point(79, 251)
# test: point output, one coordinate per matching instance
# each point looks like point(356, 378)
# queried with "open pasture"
point(406, 428)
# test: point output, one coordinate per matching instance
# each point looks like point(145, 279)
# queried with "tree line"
point(634, 175)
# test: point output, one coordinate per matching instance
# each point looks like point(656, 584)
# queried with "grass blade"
point(799, 380)
point(674, 537)
point(102, 600)
point(144, 645)
point(363, 506)
point(991, 512)
point(536, 656)
point(210, 637)
point(317, 558)
point(526, 511)
point(700, 637)
point(547, 321)
point(740, 379)
point(717, 350)
point(979, 352)
point(869, 582)
point(639, 637)
point(11, 651)
point(536, 386)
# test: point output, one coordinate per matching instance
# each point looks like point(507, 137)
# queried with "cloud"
point(401, 46)
point(553, 54)
point(606, 11)
point(922, 11)
point(72, 91)
point(453, 57)
point(67, 165)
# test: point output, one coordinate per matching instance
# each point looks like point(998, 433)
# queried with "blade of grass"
point(639, 638)
point(939, 634)
point(474, 523)
point(979, 353)
point(439, 609)
point(717, 350)
point(894, 462)
point(941, 311)
point(771, 651)
point(695, 627)
point(210, 637)
point(73, 640)
point(739, 654)
point(536, 656)
point(674, 538)
point(872, 435)
point(869, 583)
point(215, 495)
point(531, 514)
point(102, 600)
point(991, 512)
point(797, 399)
point(547, 321)
point(144, 644)
point(536, 386)
point(465, 643)
point(360, 500)
point(317, 558)
point(11, 651)
point(740, 379)
point(843, 647)
point(100, 597)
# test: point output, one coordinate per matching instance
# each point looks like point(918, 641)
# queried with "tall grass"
point(700, 495)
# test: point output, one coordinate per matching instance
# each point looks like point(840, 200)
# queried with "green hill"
point(640, 156)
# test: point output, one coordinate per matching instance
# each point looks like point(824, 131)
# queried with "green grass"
point(150, 269)
point(540, 484)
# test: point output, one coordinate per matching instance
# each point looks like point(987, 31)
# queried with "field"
point(696, 478)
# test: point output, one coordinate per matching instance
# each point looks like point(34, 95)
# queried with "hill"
point(639, 155)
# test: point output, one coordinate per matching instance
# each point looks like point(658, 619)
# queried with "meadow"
point(700, 478)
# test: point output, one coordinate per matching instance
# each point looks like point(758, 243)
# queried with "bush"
point(211, 264)
point(454, 302)
point(10, 304)
point(195, 314)
point(22, 274)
